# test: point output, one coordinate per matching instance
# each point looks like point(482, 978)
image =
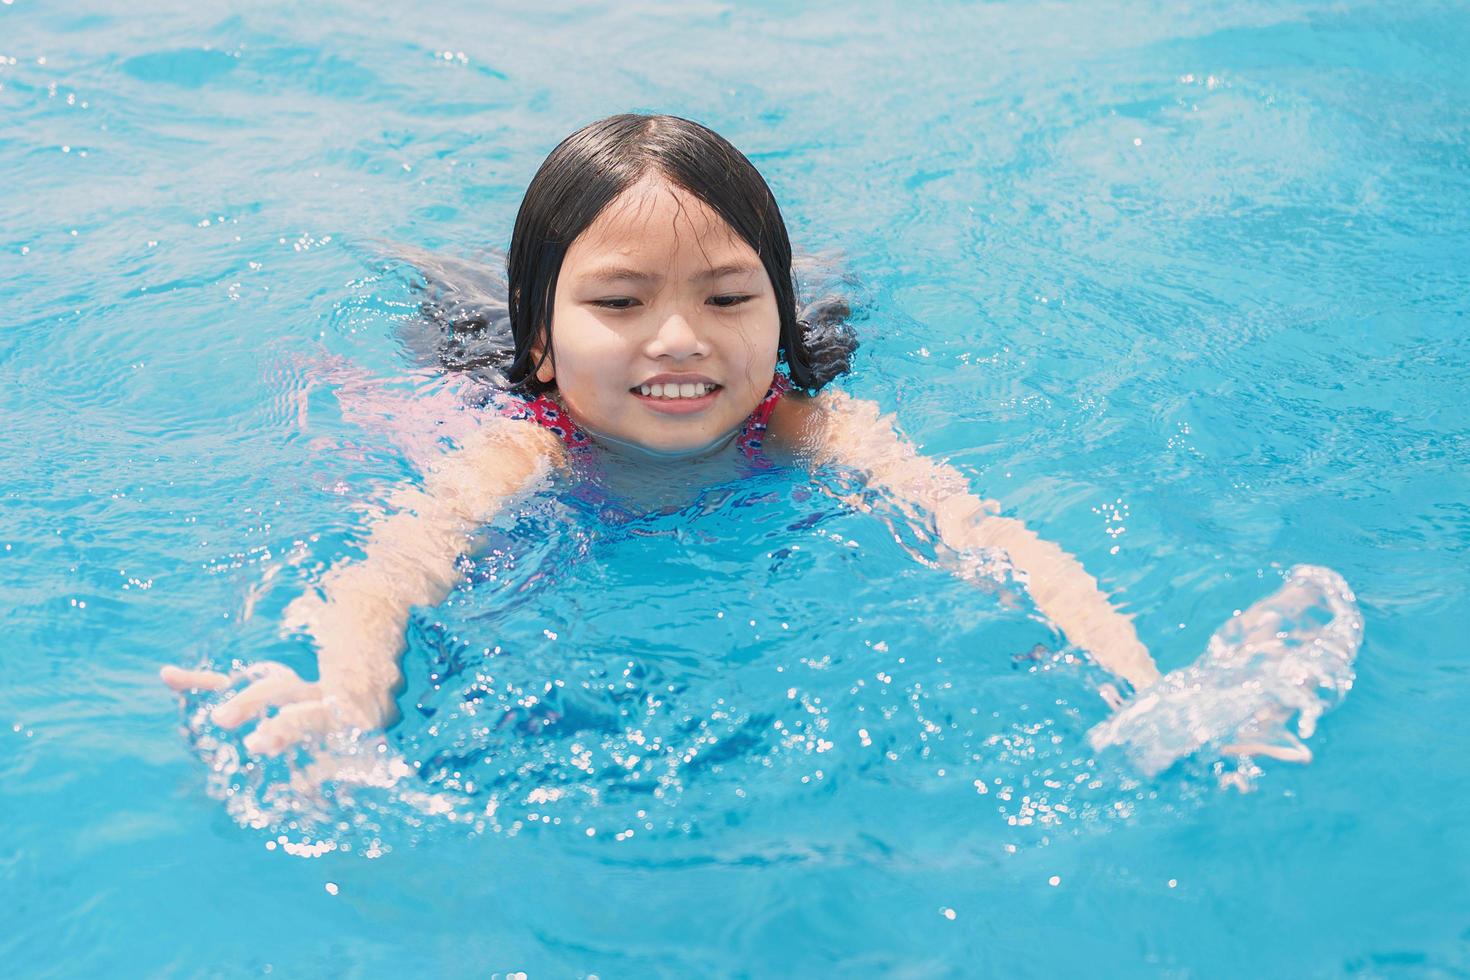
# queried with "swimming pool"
point(1185, 288)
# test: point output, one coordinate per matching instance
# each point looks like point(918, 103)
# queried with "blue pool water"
point(1184, 286)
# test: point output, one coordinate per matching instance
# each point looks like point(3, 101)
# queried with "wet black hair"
point(591, 167)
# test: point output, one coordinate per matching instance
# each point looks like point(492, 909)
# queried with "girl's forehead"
point(654, 217)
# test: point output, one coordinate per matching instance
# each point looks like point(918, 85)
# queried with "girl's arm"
point(358, 617)
point(835, 428)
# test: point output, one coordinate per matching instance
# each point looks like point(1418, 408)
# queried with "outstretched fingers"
point(272, 685)
point(279, 687)
point(195, 680)
point(305, 711)
point(1295, 752)
point(293, 724)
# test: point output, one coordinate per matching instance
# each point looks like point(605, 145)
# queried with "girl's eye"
point(729, 300)
point(616, 303)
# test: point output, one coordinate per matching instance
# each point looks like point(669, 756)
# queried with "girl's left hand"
point(307, 711)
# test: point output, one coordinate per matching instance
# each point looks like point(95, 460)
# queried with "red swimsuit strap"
point(547, 412)
point(753, 432)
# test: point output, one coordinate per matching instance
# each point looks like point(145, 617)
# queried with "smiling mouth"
point(673, 391)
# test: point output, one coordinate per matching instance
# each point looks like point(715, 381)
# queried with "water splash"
point(1288, 656)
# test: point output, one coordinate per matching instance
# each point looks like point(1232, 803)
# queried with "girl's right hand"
point(307, 711)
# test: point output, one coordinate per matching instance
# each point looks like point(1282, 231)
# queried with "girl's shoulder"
point(797, 422)
point(531, 424)
point(830, 425)
point(547, 415)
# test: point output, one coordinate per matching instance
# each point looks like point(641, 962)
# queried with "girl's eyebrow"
point(618, 273)
point(729, 269)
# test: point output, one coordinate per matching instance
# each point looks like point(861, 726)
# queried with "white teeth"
point(688, 389)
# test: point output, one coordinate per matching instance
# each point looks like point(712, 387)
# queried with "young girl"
point(655, 321)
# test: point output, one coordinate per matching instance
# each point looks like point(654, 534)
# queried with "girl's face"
point(665, 327)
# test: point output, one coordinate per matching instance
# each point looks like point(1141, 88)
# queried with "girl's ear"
point(545, 370)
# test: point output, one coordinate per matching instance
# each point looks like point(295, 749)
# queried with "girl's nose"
point(677, 338)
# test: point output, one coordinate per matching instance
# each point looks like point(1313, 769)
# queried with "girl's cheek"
point(586, 331)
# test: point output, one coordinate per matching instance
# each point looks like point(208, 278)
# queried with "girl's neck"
point(635, 454)
point(652, 480)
